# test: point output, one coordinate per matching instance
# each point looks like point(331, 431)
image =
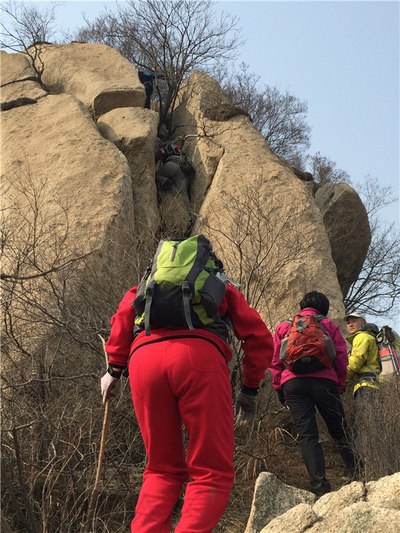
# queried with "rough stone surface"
point(346, 222)
point(333, 502)
point(15, 68)
point(67, 160)
point(18, 80)
point(296, 520)
point(355, 508)
point(359, 517)
point(133, 131)
point(385, 492)
point(272, 498)
point(99, 76)
point(291, 225)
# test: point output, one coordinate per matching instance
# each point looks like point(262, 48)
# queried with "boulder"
point(246, 200)
point(96, 74)
point(70, 186)
point(346, 222)
point(273, 498)
point(356, 507)
point(18, 80)
point(133, 130)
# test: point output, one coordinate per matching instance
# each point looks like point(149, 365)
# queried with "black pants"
point(303, 396)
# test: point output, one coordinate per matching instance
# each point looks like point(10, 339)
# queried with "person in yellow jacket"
point(364, 363)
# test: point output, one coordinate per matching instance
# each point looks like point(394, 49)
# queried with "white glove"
point(107, 385)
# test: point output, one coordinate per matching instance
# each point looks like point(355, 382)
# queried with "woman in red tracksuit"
point(180, 376)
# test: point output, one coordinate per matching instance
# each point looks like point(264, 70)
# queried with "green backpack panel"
point(183, 288)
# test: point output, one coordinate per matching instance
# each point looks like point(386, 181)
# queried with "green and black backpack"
point(183, 287)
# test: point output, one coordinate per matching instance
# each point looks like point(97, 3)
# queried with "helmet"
point(317, 301)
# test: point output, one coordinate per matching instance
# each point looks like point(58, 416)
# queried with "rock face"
point(78, 166)
point(96, 74)
point(133, 131)
point(273, 498)
point(63, 157)
point(370, 507)
point(90, 140)
point(346, 222)
point(18, 79)
point(254, 198)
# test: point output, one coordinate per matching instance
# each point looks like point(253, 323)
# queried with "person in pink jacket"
point(180, 376)
point(302, 394)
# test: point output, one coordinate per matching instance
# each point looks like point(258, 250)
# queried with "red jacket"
point(247, 325)
point(336, 373)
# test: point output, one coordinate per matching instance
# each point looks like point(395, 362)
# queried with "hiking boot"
point(320, 488)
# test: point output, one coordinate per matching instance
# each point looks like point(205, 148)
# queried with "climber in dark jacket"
point(147, 78)
point(175, 170)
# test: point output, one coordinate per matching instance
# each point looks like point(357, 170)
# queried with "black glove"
point(246, 408)
point(281, 398)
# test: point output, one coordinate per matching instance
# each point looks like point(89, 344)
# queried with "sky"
point(341, 57)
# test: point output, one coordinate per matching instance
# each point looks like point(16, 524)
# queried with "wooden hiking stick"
point(96, 487)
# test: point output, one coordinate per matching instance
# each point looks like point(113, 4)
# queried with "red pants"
point(174, 382)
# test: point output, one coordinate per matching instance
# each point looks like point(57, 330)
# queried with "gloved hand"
point(108, 383)
point(246, 408)
point(281, 398)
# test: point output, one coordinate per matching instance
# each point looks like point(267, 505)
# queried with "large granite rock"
point(370, 507)
point(253, 198)
point(57, 142)
point(263, 220)
point(18, 80)
point(133, 130)
point(68, 192)
point(99, 76)
point(273, 498)
point(346, 222)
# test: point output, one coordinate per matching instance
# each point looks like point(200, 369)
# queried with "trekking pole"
point(96, 487)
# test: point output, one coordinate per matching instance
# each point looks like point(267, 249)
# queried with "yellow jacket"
point(364, 363)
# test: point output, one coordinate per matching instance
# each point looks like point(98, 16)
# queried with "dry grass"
point(376, 430)
point(58, 463)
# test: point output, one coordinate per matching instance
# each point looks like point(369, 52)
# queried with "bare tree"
point(280, 117)
point(377, 289)
point(170, 38)
point(24, 28)
point(51, 360)
point(324, 170)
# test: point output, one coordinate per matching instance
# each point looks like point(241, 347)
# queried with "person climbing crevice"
point(175, 170)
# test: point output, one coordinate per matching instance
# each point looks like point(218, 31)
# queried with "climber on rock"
point(175, 170)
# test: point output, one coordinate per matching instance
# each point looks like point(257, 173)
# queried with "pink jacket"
point(336, 373)
point(247, 325)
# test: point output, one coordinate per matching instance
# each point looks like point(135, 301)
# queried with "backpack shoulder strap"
point(186, 297)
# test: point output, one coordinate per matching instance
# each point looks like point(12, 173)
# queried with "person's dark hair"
point(317, 301)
